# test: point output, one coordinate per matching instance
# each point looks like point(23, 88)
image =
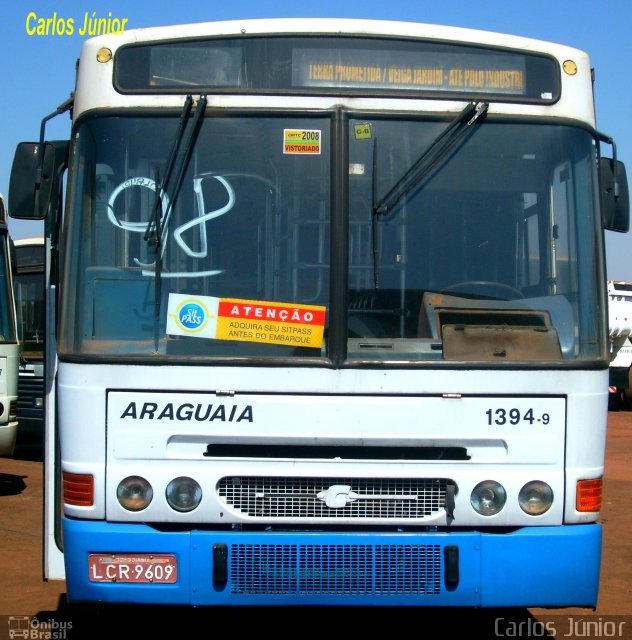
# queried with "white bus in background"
point(332, 317)
point(620, 319)
point(30, 286)
point(9, 348)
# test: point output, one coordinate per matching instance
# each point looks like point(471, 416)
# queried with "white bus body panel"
point(53, 555)
point(9, 362)
point(375, 407)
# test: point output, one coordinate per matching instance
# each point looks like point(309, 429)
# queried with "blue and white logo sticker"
point(192, 316)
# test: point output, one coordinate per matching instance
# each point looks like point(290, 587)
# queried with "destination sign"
point(333, 64)
point(485, 73)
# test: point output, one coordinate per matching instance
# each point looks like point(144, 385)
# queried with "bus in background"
point(29, 286)
point(332, 317)
point(9, 348)
point(620, 320)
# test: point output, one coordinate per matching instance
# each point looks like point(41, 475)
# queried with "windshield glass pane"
point(485, 255)
point(485, 258)
point(240, 263)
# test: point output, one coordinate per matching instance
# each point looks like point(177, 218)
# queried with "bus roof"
point(333, 26)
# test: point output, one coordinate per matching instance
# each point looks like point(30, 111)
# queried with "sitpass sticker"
point(297, 325)
point(301, 141)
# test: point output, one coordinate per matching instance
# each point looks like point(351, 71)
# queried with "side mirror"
point(34, 180)
point(615, 202)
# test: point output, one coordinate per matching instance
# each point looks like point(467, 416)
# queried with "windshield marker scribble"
point(203, 217)
point(135, 227)
point(200, 221)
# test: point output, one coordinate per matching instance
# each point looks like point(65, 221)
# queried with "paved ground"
point(45, 614)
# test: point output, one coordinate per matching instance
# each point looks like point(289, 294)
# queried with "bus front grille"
point(360, 498)
point(335, 569)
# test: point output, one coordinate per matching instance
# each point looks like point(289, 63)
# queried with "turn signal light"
point(589, 493)
point(78, 489)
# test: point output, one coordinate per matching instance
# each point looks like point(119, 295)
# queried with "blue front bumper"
point(539, 566)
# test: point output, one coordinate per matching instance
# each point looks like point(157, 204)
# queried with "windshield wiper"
point(186, 156)
point(151, 235)
point(445, 142)
point(453, 135)
point(160, 219)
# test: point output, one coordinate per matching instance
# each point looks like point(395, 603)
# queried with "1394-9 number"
point(515, 416)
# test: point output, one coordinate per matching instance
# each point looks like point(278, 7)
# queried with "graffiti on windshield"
point(166, 208)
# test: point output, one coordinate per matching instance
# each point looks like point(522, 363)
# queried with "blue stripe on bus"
point(538, 566)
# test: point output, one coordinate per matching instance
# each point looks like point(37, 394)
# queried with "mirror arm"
point(610, 140)
point(62, 108)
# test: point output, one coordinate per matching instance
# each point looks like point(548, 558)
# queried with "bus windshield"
point(29, 286)
point(481, 261)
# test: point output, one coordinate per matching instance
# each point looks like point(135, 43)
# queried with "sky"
point(37, 71)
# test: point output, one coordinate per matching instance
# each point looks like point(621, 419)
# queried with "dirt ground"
point(31, 606)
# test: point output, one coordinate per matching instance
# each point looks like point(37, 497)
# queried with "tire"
point(614, 401)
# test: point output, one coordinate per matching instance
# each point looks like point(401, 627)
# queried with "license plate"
point(150, 568)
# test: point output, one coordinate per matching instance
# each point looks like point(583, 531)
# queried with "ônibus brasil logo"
point(192, 316)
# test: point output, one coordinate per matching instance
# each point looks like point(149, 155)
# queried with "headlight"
point(488, 497)
point(535, 498)
point(183, 494)
point(134, 493)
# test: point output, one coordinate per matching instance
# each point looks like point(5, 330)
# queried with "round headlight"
point(488, 497)
point(535, 498)
point(183, 494)
point(134, 493)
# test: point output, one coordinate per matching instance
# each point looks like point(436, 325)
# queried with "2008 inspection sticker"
point(301, 141)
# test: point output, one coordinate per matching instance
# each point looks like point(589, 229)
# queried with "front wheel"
point(614, 400)
point(625, 398)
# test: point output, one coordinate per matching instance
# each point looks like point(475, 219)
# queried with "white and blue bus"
point(9, 347)
point(327, 317)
